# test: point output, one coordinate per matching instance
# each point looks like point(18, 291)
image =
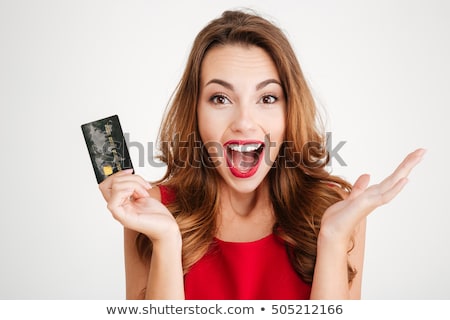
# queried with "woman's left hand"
point(341, 219)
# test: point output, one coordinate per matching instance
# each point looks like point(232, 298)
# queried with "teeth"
point(245, 147)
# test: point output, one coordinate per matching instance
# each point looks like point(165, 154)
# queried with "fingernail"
point(421, 152)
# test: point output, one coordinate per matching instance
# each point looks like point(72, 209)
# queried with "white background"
point(380, 69)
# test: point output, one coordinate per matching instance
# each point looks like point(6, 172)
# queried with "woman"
point(246, 209)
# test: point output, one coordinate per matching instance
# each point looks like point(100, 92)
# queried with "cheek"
point(210, 134)
point(277, 137)
point(208, 124)
point(202, 122)
point(276, 125)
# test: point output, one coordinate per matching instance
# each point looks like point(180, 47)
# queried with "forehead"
point(237, 61)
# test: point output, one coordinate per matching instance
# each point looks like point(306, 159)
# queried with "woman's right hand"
point(130, 203)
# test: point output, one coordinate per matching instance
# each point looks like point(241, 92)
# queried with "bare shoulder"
point(155, 193)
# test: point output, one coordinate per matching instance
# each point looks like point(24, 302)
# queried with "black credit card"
point(107, 147)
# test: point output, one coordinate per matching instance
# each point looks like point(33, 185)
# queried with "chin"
point(245, 185)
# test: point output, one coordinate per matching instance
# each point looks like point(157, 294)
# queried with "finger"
point(138, 179)
point(121, 173)
point(373, 197)
point(105, 190)
point(121, 201)
point(106, 184)
point(117, 200)
point(120, 177)
point(392, 192)
point(403, 170)
point(138, 190)
point(359, 186)
point(409, 162)
point(124, 172)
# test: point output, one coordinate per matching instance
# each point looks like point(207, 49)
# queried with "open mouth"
point(244, 157)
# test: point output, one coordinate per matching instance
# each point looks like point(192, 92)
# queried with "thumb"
point(359, 186)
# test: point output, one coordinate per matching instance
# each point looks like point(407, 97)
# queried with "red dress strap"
point(167, 195)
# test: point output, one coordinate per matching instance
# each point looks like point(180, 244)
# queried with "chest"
point(257, 270)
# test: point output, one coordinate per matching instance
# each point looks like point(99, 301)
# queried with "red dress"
point(257, 270)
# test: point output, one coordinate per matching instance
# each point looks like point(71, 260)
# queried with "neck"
point(244, 204)
point(245, 216)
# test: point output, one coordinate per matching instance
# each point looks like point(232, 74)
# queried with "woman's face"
point(241, 113)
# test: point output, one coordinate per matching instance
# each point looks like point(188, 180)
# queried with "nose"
point(243, 119)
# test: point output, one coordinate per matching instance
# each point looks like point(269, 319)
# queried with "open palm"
point(340, 220)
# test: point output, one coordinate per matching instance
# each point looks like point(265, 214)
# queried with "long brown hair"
point(300, 187)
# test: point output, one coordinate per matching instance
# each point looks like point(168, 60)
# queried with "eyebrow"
point(229, 86)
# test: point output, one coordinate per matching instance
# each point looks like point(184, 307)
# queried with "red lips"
point(244, 156)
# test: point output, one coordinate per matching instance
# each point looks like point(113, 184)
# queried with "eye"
point(219, 99)
point(268, 99)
